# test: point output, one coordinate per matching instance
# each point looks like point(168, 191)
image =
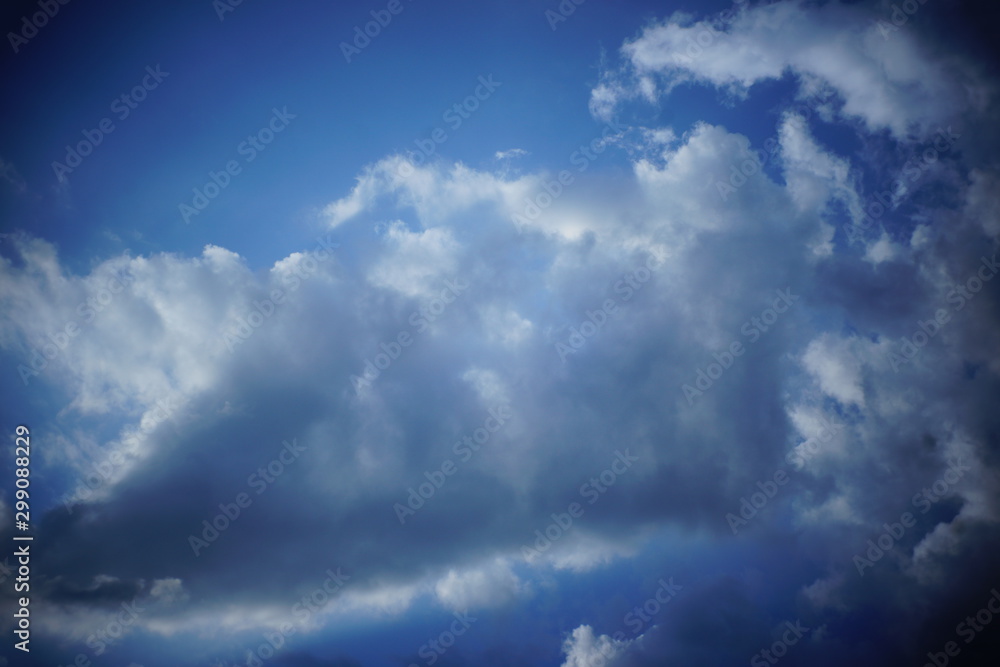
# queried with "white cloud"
point(168, 590)
point(815, 177)
point(722, 260)
point(435, 191)
point(581, 552)
point(881, 250)
point(834, 365)
point(584, 649)
point(492, 584)
point(510, 153)
point(415, 262)
point(895, 84)
point(982, 202)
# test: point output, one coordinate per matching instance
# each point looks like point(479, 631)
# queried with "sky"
point(552, 334)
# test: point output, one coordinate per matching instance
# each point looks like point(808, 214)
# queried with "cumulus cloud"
point(898, 84)
point(836, 368)
point(493, 584)
point(583, 649)
point(719, 265)
point(387, 360)
point(435, 191)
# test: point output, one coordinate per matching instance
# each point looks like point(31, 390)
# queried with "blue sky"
point(623, 338)
point(347, 114)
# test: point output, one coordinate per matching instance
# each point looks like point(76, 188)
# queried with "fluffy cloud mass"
point(724, 365)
